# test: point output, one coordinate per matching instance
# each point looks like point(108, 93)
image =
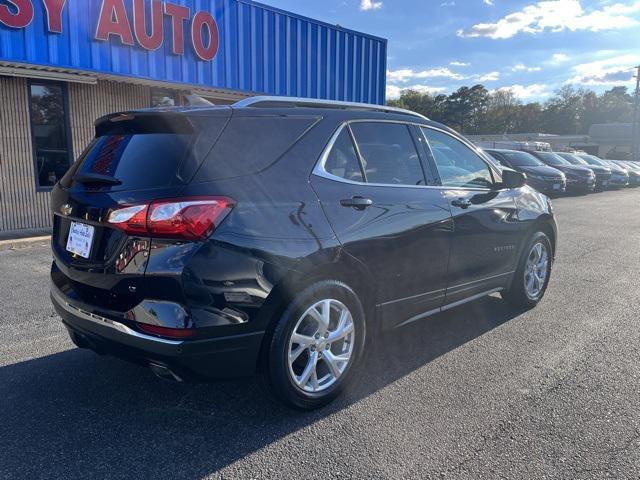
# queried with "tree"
point(475, 110)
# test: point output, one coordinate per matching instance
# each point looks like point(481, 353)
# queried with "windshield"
point(573, 159)
point(522, 159)
point(591, 160)
point(552, 158)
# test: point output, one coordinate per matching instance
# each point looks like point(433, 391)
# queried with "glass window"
point(522, 159)
point(137, 161)
point(458, 165)
point(573, 159)
point(552, 158)
point(343, 161)
point(161, 97)
point(498, 160)
point(389, 155)
point(252, 144)
point(49, 129)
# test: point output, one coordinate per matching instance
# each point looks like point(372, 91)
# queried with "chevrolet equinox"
point(280, 235)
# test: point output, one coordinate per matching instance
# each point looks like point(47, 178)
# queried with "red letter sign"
point(153, 41)
point(114, 21)
point(54, 14)
point(23, 16)
point(201, 20)
point(178, 15)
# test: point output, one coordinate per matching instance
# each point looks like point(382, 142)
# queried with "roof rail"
point(275, 101)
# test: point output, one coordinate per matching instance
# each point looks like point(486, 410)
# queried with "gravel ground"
point(480, 392)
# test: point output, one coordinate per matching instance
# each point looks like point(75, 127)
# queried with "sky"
point(532, 47)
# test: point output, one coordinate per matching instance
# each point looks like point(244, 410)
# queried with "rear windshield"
point(145, 153)
point(252, 144)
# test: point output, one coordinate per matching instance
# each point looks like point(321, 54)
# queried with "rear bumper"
point(224, 357)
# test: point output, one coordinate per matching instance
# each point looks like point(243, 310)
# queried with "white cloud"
point(370, 5)
point(394, 92)
point(488, 2)
point(459, 64)
point(406, 75)
point(559, 58)
point(527, 92)
point(487, 77)
point(521, 67)
point(448, 4)
point(611, 71)
point(556, 16)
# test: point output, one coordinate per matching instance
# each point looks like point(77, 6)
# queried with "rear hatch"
point(135, 158)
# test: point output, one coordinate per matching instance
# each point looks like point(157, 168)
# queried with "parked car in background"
point(580, 179)
point(619, 175)
point(279, 235)
point(540, 176)
point(603, 174)
point(632, 169)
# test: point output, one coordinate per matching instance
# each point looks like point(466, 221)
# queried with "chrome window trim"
point(319, 169)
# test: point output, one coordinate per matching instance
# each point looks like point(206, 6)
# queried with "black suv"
point(280, 235)
point(580, 179)
point(540, 176)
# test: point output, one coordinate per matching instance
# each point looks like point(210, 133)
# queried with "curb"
point(24, 242)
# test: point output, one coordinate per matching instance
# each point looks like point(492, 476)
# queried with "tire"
point(287, 379)
point(519, 294)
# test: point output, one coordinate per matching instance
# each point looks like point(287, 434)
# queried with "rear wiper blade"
point(96, 179)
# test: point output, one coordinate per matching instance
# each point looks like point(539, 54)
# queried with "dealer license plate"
point(80, 239)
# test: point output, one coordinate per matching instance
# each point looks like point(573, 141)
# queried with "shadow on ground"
point(79, 415)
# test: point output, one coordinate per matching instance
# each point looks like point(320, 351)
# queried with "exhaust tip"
point(165, 373)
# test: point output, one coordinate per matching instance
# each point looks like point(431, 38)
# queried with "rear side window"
point(457, 164)
point(342, 160)
point(389, 155)
point(251, 144)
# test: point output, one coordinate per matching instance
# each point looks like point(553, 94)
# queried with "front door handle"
point(359, 203)
point(462, 203)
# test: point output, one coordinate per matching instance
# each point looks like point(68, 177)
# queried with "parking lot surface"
point(482, 391)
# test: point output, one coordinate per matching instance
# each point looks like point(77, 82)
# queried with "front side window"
point(457, 164)
point(342, 160)
point(389, 154)
point(49, 131)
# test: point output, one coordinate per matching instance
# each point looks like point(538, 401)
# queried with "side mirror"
point(513, 179)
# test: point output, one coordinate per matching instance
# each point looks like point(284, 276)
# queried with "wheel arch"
point(546, 224)
point(343, 268)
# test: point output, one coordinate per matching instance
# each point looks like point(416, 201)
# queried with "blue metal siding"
point(262, 49)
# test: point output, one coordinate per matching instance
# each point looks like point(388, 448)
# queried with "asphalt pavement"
point(482, 391)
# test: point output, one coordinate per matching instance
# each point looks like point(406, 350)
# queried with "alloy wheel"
point(536, 270)
point(321, 346)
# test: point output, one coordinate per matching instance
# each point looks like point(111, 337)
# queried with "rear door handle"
point(359, 203)
point(461, 203)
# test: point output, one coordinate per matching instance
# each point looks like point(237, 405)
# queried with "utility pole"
point(636, 107)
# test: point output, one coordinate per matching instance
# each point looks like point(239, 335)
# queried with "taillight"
point(185, 218)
